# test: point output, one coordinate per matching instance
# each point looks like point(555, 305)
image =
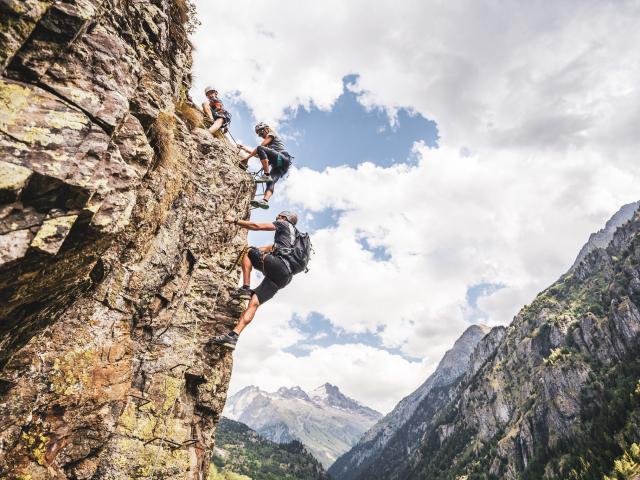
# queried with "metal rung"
point(144, 400)
point(180, 365)
point(188, 443)
point(175, 445)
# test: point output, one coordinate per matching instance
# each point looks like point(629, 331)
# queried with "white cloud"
point(448, 223)
point(538, 109)
point(514, 75)
point(343, 364)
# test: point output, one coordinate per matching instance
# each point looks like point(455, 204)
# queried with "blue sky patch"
point(319, 332)
point(473, 313)
point(348, 134)
point(380, 254)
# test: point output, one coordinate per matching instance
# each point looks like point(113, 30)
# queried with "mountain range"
point(325, 420)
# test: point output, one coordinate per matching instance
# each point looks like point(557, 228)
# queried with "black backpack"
point(298, 255)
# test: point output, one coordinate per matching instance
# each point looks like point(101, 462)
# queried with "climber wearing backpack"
point(274, 158)
point(288, 255)
point(214, 110)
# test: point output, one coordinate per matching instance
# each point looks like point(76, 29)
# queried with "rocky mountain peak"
point(293, 392)
point(603, 237)
point(331, 395)
point(325, 420)
point(327, 392)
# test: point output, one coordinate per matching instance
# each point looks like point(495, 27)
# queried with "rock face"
point(325, 420)
point(387, 443)
point(115, 264)
point(556, 394)
point(603, 237)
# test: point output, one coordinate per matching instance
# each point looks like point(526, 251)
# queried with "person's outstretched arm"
point(252, 153)
point(264, 227)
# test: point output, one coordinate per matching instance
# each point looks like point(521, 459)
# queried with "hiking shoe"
point(242, 293)
point(260, 204)
point(264, 179)
point(224, 340)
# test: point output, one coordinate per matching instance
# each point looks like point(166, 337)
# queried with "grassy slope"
point(241, 453)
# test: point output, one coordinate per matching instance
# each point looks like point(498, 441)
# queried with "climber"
point(274, 158)
point(214, 110)
point(288, 255)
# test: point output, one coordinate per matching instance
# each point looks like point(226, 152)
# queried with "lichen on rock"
point(115, 264)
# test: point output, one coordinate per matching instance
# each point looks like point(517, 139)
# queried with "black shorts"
point(276, 274)
point(224, 115)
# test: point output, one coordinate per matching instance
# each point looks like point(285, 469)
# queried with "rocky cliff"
point(556, 394)
point(603, 237)
point(115, 264)
point(385, 445)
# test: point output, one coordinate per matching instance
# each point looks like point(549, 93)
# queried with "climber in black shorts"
point(274, 158)
point(276, 270)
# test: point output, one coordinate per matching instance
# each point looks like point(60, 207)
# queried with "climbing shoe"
point(264, 179)
point(225, 340)
point(260, 204)
point(243, 165)
point(242, 293)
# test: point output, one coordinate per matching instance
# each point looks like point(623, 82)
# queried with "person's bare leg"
point(267, 195)
point(265, 165)
point(247, 315)
point(246, 269)
point(216, 125)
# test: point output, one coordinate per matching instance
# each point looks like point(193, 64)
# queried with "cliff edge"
point(115, 263)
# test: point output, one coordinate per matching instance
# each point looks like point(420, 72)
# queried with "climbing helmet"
point(261, 126)
point(290, 216)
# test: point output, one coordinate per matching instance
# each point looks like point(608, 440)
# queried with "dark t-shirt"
point(276, 143)
point(284, 236)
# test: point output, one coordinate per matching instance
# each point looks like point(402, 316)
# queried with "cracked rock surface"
point(115, 264)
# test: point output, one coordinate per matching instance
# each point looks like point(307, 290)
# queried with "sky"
point(451, 158)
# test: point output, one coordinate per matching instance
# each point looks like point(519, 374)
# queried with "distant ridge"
point(325, 420)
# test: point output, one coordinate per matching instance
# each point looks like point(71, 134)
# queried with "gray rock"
point(603, 237)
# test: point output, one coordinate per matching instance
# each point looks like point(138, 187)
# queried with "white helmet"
point(209, 89)
point(261, 126)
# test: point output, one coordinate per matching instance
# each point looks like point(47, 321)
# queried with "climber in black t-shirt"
point(214, 110)
point(275, 268)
